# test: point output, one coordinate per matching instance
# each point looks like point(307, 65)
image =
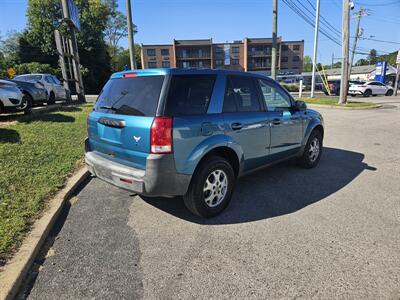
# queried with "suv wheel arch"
point(225, 152)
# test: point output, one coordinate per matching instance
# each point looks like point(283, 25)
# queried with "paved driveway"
point(330, 232)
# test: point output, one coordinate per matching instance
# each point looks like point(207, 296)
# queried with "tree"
point(9, 47)
point(122, 59)
point(116, 29)
point(307, 64)
point(37, 43)
point(362, 62)
point(372, 57)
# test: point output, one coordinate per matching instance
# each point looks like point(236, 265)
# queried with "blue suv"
point(193, 132)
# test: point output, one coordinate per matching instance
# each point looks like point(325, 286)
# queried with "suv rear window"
point(136, 96)
point(189, 94)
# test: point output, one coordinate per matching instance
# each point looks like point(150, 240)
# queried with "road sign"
point(71, 13)
point(11, 72)
point(398, 57)
point(380, 72)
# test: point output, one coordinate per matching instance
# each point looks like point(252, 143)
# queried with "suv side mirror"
point(300, 105)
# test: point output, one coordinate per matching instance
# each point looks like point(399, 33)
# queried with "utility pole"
point(361, 13)
point(274, 38)
point(396, 83)
point(333, 58)
point(315, 48)
point(345, 52)
point(130, 35)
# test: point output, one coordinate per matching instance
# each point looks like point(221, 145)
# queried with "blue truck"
point(194, 132)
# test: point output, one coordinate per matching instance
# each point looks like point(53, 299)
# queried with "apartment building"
point(251, 54)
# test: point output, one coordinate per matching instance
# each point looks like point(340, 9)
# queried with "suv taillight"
point(161, 135)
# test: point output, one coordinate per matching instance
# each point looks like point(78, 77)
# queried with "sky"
point(160, 21)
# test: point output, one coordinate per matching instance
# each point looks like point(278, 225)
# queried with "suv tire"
point(312, 151)
point(389, 93)
point(367, 93)
point(52, 99)
point(210, 190)
point(29, 103)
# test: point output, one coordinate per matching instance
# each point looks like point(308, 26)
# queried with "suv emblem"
point(137, 138)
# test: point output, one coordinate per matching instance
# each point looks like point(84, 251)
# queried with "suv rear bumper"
point(159, 179)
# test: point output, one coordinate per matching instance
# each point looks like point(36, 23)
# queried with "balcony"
point(259, 53)
point(194, 56)
point(259, 66)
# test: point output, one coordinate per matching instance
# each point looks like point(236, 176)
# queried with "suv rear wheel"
point(312, 151)
point(211, 188)
point(52, 99)
point(389, 93)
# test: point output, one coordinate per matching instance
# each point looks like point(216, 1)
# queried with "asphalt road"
point(329, 233)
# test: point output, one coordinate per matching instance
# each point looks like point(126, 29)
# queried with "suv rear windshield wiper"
point(112, 107)
point(108, 107)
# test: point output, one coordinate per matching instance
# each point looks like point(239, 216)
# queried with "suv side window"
point(56, 81)
point(49, 79)
point(189, 94)
point(275, 98)
point(241, 95)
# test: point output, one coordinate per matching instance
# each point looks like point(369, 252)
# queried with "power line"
point(382, 41)
point(381, 3)
point(307, 19)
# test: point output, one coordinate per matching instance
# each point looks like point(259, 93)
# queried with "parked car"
point(55, 89)
point(35, 93)
point(193, 132)
point(371, 88)
point(334, 87)
point(11, 98)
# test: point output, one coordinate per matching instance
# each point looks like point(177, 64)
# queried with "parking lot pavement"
point(329, 232)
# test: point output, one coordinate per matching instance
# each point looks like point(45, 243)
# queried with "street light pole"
point(130, 35)
point(345, 52)
point(315, 48)
point(274, 38)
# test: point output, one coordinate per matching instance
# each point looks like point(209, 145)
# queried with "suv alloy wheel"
point(211, 188)
point(312, 151)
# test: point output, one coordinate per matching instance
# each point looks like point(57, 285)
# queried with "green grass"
point(333, 102)
point(37, 153)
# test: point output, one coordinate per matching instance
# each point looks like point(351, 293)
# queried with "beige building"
point(251, 54)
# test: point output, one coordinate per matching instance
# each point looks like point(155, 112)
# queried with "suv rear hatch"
point(120, 124)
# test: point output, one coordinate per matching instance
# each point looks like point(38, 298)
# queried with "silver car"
point(55, 90)
point(11, 97)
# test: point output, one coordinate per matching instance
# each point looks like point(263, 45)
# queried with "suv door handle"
point(236, 126)
point(276, 121)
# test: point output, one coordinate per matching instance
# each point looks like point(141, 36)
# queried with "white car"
point(11, 97)
point(55, 90)
point(370, 88)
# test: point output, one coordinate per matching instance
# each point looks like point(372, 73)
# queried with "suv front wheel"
point(211, 188)
point(312, 151)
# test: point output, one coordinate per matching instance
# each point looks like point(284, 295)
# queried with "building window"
point(235, 61)
point(164, 52)
point(152, 64)
point(296, 58)
point(285, 48)
point(285, 59)
point(219, 50)
point(296, 47)
point(185, 64)
point(165, 64)
point(151, 52)
point(235, 50)
point(219, 62)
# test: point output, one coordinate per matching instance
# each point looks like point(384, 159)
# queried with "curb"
point(343, 107)
point(13, 273)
